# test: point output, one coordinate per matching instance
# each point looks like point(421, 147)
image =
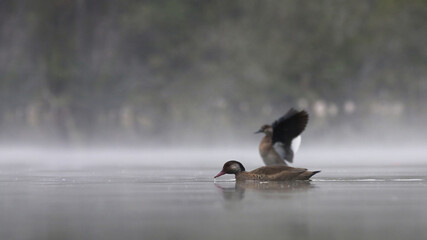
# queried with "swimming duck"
point(267, 173)
point(282, 138)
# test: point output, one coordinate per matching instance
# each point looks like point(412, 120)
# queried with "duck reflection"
point(235, 191)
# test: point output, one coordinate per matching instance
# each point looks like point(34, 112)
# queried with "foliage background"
point(85, 72)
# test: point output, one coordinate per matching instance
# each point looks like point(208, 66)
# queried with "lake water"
point(130, 200)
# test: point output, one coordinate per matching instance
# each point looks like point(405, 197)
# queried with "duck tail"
point(307, 175)
point(314, 173)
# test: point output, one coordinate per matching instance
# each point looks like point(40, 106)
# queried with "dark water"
point(139, 202)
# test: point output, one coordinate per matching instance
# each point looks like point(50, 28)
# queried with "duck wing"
point(286, 133)
point(270, 170)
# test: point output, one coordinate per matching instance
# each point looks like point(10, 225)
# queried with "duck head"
point(267, 129)
point(231, 167)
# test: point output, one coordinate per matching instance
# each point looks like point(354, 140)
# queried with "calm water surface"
point(141, 202)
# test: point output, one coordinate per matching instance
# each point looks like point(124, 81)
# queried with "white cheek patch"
point(296, 142)
point(235, 168)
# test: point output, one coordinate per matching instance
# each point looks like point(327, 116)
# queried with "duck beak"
point(259, 131)
point(220, 174)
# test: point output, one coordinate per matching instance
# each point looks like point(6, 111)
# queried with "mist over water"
point(193, 158)
point(110, 194)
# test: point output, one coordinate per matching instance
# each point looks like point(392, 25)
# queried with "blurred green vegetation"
point(173, 71)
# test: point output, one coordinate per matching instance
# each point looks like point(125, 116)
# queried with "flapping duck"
point(282, 138)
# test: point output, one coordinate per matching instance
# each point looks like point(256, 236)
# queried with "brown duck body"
point(268, 154)
point(276, 173)
point(267, 173)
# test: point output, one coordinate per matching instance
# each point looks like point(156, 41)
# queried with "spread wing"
point(285, 130)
